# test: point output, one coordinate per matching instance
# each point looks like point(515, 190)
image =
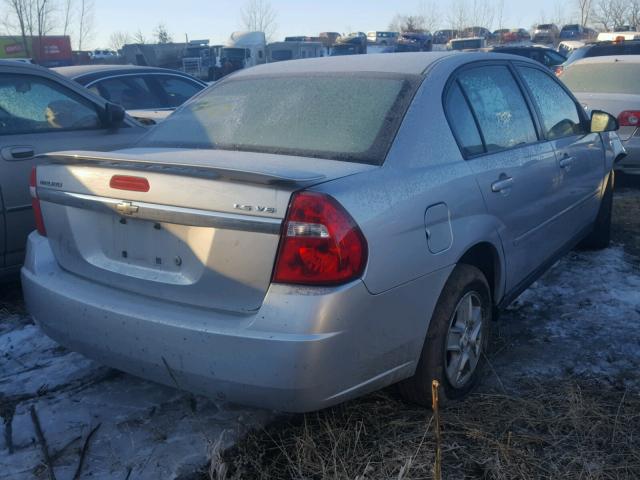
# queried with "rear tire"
point(453, 334)
point(600, 236)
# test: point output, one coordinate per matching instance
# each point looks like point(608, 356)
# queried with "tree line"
point(459, 14)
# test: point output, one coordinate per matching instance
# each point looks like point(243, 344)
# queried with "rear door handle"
point(502, 185)
point(18, 153)
point(566, 161)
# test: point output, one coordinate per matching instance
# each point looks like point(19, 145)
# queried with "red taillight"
point(321, 244)
point(126, 182)
point(630, 118)
point(559, 69)
point(35, 202)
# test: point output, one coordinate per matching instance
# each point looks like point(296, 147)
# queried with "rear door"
point(515, 171)
point(37, 115)
point(580, 154)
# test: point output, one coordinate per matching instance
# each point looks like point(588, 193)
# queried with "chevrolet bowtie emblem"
point(127, 208)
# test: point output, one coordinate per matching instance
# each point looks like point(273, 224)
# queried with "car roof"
point(94, 72)
point(410, 63)
point(609, 59)
point(401, 63)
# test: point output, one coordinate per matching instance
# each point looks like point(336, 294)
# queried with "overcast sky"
point(216, 19)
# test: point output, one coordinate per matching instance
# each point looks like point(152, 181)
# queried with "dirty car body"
point(206, 257)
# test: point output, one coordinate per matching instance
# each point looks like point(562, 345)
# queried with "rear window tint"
point(340, 117)
point(617, 77)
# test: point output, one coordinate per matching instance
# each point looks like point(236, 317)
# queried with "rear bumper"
point(631, 163)
point(305, 349)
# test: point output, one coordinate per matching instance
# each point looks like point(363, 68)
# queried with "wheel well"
point(485, 257)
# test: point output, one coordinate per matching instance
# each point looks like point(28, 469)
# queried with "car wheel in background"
point(600, 236)
point(453, 351)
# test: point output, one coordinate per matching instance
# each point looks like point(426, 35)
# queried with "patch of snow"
point(581, 318)
point(152, 430)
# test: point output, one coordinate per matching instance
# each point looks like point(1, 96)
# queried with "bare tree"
point(457, 16)
point(500, 14)
point(17, 9)
point(139, 37)
point(430, 15)
point(118, 39)
point(611, 13)
point(85, 21)
point(634, 13)
point(584, 9)
point(482, 14)
point(162, 34)
point(30, 18)
point(67, 16)
point(407, 23)
point(259, 16)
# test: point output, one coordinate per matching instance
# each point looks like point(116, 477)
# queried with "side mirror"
point(113, 114)
point(603, 122)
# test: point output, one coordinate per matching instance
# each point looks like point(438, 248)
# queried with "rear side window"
point(559, 113)
point(462, 122)
point(498, 104)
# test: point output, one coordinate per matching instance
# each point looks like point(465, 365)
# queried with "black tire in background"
point(464, 280)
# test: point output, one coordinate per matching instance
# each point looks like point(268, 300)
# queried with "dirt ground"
point(560, 397)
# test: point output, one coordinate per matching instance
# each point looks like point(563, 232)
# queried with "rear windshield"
point(339, 117)
point(571, 28)
point(545, 27)
point(603, 78)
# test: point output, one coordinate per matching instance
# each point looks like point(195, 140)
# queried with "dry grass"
point(579, 430)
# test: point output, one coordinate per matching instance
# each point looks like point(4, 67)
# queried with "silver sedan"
point(306, 232)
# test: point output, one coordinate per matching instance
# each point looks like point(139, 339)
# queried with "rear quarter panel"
point(424, 168)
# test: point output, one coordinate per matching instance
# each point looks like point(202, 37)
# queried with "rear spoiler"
point(292, 179)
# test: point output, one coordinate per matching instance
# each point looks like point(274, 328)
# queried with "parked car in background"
point(41, 111)
point(340, 49)
point(547, 33)
point(474, 32)
point(467, 43)
point(618, 36)
point(567, 47)
point(546, 56)
point(103, 55)
point(423, 42)
point(603, 49)
point(355, 39)
point(382, 38)
point(515, 35)
point(573, 32)
point(246, 258)
point(328, 39)
point(611, 84)
point(441, 37)
point(148, 94)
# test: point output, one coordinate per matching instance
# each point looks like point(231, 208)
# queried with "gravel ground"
point(581, 319)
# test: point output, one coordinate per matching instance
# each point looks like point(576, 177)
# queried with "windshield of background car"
point(603, 78)
point(345, 117)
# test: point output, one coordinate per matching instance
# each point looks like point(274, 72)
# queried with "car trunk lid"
point(205, 232)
